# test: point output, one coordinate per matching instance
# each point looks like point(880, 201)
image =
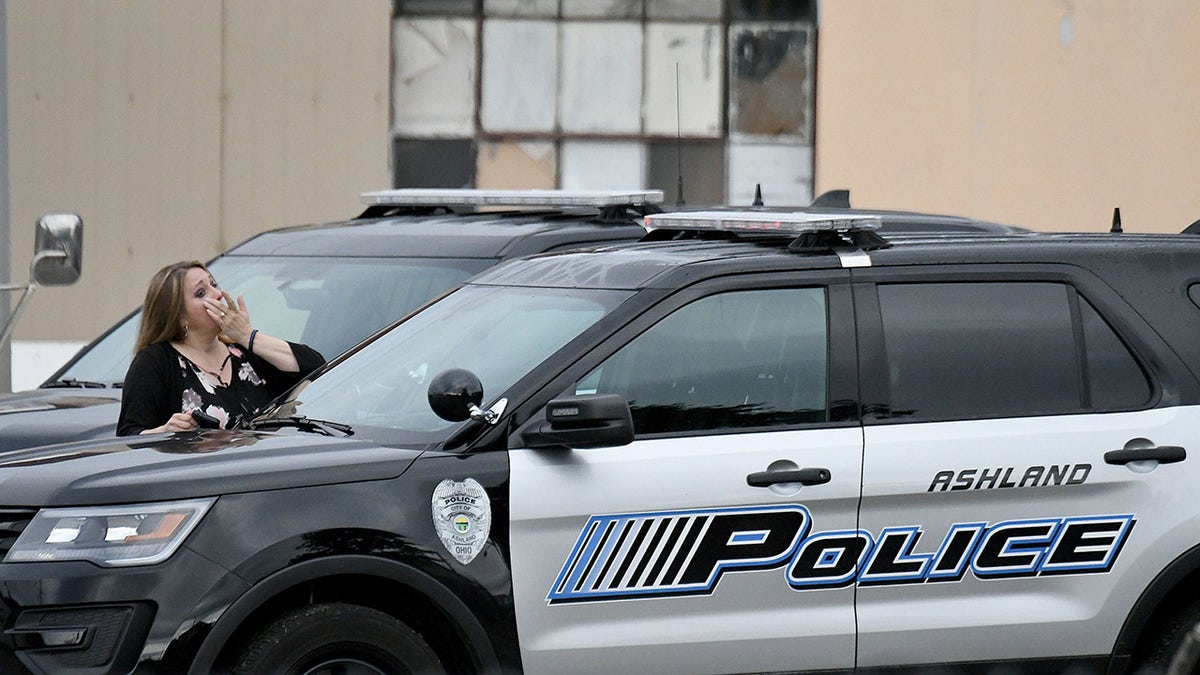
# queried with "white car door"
point(660, 556)
point(1012, 474)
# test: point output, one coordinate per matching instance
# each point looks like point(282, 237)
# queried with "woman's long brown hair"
point(164, 305)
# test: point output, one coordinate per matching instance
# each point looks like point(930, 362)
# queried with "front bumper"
point(75, 618)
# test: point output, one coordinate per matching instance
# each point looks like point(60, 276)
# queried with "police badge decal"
point(462, 516)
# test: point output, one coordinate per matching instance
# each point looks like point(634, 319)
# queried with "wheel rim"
point(343, 666)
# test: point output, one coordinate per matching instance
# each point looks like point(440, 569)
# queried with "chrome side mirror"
point(58, 250)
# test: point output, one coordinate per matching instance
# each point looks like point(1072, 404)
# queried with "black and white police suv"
point(331, 285)
point(746, 444)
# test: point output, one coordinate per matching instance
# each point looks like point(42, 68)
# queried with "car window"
point(330, 304)
point(733, 360)
point(980, 350)
point(499, 333)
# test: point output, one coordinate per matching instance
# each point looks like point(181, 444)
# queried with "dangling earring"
point(185, 331)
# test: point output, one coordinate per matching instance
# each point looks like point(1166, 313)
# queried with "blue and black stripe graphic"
point(676, 552)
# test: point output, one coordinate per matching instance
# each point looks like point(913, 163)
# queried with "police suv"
point(750, 443)
point(331, 285)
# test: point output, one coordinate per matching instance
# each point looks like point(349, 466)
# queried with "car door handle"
point(1163, 454)
point(804, 476)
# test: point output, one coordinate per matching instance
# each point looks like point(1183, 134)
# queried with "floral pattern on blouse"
point(210, 401)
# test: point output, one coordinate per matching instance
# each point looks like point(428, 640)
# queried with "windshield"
point(498, 333)
point(330, 304)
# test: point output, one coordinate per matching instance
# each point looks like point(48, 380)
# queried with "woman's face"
point(198, 286)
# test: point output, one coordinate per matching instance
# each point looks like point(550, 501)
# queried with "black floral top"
point(161, 381)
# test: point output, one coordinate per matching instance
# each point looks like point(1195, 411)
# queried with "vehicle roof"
point(462, 233)
point(644, 264)
point(493, 234)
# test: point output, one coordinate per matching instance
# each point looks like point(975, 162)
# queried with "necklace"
point(221, 381)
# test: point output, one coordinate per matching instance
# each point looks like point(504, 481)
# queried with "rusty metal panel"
point(771, 81)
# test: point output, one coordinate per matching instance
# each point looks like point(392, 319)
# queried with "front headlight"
point(111, 536)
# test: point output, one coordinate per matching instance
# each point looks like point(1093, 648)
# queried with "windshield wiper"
point(74, 383)
point(304, 424)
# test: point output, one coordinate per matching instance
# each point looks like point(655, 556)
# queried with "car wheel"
point(1170, 637)
point(337, 638)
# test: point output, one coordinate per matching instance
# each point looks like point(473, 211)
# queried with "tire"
point(336, 638)
point(1165, 639)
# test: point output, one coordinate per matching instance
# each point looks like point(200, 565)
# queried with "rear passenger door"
point(660, 556)
point(999, 530)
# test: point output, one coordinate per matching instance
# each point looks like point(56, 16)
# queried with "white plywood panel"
point(520, 71)
point(433, 83)
point(602, 165)
point(784, 171)
point(697, 50)
point(601, 77)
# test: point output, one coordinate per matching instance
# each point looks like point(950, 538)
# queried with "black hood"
point(190, 464)
point(45, 416)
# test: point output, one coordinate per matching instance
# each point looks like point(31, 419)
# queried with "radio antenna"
point(678, 141)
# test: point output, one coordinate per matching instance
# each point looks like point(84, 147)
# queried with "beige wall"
point(177, 129)
point(1046, 113)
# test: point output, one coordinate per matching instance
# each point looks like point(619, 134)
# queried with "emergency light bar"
point(454, 197)
point(760, 221)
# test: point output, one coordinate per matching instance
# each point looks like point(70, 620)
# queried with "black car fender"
point(475, 636)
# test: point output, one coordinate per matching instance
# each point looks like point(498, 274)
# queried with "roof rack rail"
point(813, 231)
point(471, 197)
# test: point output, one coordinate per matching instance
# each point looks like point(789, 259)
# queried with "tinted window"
point(977, 350)
point(1115, 380)
point(734, 360)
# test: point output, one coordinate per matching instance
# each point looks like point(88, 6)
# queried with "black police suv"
point(754, 442)
point(334, 284)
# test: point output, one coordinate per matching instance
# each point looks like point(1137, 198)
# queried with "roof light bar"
point(452, 197)
point(761, 221)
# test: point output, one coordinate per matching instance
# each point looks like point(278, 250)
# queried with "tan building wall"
point(177, 129)
point(1046, 113)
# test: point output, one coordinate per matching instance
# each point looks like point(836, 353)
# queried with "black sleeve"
point(146, 394)
point(278, 381)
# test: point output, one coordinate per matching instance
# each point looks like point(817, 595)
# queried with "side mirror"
point(452, 393)
point(587, 421)
point(58, 250)
point(455, 395)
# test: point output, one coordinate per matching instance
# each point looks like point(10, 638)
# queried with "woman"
point(197, 351)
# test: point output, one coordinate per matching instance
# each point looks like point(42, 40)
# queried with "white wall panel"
point(698, 51)
point(602, 165)
point(433, 79)
point(520, 75)
point(784, 171)
point(601, 77)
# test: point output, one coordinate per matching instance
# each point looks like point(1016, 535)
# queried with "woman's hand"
point(232, 317)
point(180, 421)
